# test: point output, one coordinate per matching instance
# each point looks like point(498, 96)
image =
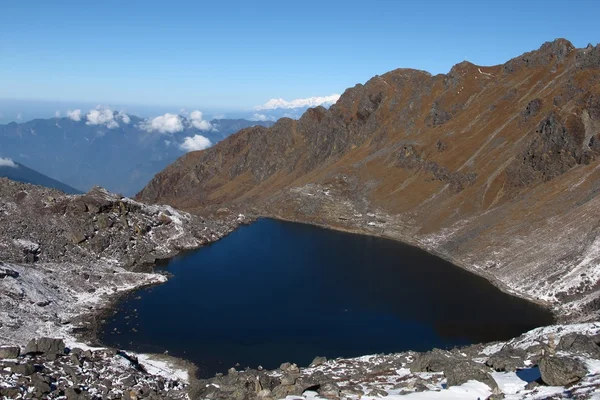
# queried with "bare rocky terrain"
point(64, 259)
point(553, 362)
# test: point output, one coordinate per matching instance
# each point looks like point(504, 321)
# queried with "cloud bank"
point(7, 162)
point(262, 117)
point(172, 123)
point(75, 115)
point(199, 123)
point(102, 116)
point(196, 142)
point(124, 117)
point(167, 123)
point(274, 104)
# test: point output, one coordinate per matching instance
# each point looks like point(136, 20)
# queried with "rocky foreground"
point(552, 362)
point(547, 363)
point(64, 259)
point(47, 369)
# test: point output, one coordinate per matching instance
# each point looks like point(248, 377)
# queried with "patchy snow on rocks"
point(517, 369)
point(63, 261)
point(47, 369)
point(50, 298)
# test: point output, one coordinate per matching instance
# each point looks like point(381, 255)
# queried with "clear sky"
point(238, 54)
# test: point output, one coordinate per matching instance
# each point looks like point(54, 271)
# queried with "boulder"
point(5, 271)
point(463, 371)
point(507, 360)
point(9, 352)
point(329, 390)
point(287, 367)
point(41, 384)
point(433, 361)
point(76, 237)
point(51, 348)
point(23, 369)
point(561, 371)
point(318, 361)
point(579, 344)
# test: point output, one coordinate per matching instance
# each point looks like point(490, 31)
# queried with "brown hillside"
point(494, 167)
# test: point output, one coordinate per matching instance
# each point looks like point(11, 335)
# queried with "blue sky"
point(227, 55)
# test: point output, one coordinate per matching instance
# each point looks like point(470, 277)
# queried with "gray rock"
point(329, 389)
point(9, 352)
point(10, 393)
point(532, 385)
point(579, 344)
point(318, 361)
point(40, 383)
point(23, 369)
point(7, 272)
point(378, 393)
point(433, 361)
point(285, 366)
point(507, 360)
point(464, 371)
point(561, 371)
point(289, 379)
point(51, 348)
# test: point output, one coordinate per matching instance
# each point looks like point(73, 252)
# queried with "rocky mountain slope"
point(495, 168)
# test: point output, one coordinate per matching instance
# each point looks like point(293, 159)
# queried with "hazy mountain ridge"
point(21, 173)
point(493, 167)
point(121, 158)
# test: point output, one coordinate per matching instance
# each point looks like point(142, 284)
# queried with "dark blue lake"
point(278, 291)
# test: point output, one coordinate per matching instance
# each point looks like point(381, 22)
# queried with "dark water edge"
point(277, 291)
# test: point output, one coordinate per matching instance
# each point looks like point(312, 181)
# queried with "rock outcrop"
point(39, 225)
point(494, 168)
point(64, 258)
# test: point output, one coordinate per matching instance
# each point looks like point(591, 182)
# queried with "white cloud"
point(124, 117)
point(167, 123)
point(102, 116)
point(299, 103)
point(19, 117)
point(197, 122)
point(262, 117)
point(75, 115)
point(7, 162)
point(220, 116)
point(57, 114)
point(196, 142)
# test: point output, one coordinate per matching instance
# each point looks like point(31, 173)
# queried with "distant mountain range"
point(108, 148)
point(19, 172)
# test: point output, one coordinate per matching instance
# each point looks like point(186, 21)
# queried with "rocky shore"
point(561, 361)
point(64, 260)
point(48, 369)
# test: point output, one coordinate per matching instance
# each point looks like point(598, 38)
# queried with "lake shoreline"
point(128, 336)
point(553, 308)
